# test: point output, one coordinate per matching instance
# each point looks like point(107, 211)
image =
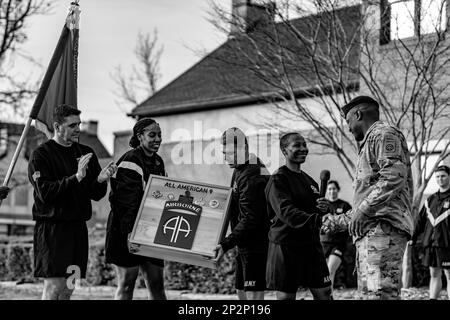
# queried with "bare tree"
point(14, 14)
point(330, 54)
point(142, 82)
point(311, 58)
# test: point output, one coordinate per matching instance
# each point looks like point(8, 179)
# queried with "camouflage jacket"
point(383, 186)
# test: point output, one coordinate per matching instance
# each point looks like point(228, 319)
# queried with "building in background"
point(214, 94)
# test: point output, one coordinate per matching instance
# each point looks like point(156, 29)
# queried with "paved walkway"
point(33, 291)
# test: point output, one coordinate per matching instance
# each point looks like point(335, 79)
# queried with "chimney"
point(246, 15)
point(90, 127)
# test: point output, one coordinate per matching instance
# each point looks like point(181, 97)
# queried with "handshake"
point(330, 223)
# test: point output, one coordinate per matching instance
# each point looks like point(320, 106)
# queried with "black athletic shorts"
point(60, 249)
point(116, 249)
point(437, 257)
point(334, 248)
point(291, 267)
point(251, 271)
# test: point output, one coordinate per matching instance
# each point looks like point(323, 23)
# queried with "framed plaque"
point(181, 221)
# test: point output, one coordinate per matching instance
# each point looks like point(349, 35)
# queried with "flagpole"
point(17, 152)
point(40, 97)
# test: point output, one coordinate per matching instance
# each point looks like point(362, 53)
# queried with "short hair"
point(443, 168)
point(336, 184)
point(63, 111)
point(234, 135)
point(369, 109)
point(285, 139)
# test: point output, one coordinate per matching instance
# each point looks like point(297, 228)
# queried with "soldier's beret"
point(357, 101)
point(443, 168)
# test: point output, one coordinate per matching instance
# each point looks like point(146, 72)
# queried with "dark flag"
point(59, 85)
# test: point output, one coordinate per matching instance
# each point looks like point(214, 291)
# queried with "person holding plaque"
point(127, 190)
point(249, 220)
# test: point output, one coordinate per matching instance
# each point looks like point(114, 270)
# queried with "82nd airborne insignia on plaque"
point(178, 224)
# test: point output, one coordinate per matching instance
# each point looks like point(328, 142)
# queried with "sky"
point(108, 33)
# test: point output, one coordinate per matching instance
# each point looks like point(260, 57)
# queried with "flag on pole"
point(59, 85)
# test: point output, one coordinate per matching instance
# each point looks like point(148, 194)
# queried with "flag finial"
point(73, 17)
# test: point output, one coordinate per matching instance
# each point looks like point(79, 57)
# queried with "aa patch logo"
point(178, 224)
point(390, 146)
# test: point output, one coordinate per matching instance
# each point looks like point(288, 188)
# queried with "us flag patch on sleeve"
point(36, 175)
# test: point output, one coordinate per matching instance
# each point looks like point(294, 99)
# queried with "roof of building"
point(224, 77)
point(94, 142)
point(35, 137)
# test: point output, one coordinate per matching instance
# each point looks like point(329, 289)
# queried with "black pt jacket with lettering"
point(291, 205)
point(434, 221)
point(248, 210)
point(58, 196)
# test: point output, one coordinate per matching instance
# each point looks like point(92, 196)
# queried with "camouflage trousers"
point(379, 263)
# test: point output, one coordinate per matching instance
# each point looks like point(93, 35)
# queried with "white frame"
point(205, 259)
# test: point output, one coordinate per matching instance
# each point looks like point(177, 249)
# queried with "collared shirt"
point(383, 185)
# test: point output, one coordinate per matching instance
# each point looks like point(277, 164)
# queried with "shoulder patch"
point(235, 188)
point(390, 145)
point(36, 175)
point(314, 189)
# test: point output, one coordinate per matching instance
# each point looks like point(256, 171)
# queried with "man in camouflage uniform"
point(381, 220)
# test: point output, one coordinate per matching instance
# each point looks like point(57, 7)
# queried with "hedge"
point(16, 264)
point(16, 261)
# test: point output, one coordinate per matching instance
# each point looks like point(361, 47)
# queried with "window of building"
point(432, 186)
point(402, 19)
point(433, 16)
point(7, 202)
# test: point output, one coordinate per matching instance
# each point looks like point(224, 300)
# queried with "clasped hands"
point(331, 223)
point(104, 174)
